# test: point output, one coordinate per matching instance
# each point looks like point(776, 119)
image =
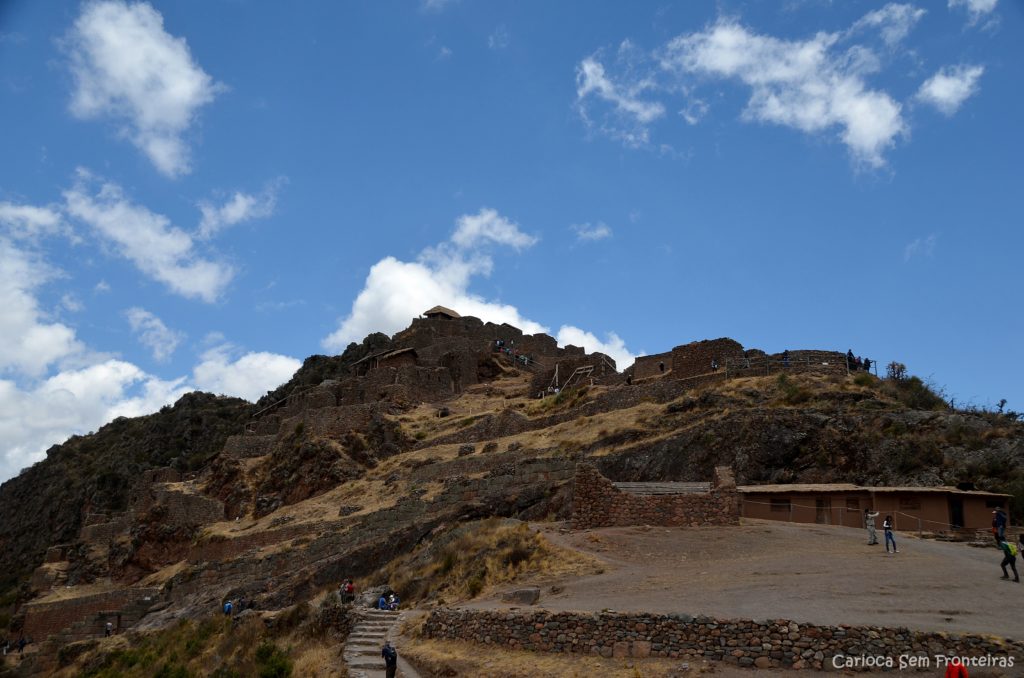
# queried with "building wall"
point(44, 619)
point(927, 510)
point(598, 503)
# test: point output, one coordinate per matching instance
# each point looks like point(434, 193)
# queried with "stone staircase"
point(362, 649)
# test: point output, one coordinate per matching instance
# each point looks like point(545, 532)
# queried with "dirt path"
point(764, 569)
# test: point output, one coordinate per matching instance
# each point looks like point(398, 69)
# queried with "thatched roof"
point(441, 310)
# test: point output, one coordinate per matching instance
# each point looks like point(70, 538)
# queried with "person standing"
point(390, 656)
point(1009, 558)
point(999, 524)
point(869, 524)
point(108, 629)
point(887, 525)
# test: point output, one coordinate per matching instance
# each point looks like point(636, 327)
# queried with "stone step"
point(365, 663)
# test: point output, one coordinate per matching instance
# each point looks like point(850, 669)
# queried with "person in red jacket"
point(956, 670)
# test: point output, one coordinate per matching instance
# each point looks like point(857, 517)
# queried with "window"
point(910, 504)
point(780, 504)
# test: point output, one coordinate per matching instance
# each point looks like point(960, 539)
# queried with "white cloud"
point(30, 342)
point(499, 39)
point(588, 232)
point(396, 291)
point(127, 67)
point(29, 221)
point(153, 333)
point(614, 347)
point(950, 87)
point(473, 230)
point(924, 247)
point(158, 249)
point(801, 84)
point(976, 9)
point(238, 208)
point(71, 302)
point(74, 402)
point(444, 53)
point(436, 5)
point(631, 112)
point(893, 21)
point(249, 376)
point(101, 287)
point(695, 111)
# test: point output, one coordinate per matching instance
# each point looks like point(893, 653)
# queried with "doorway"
point(823, 511)
point(956, 512)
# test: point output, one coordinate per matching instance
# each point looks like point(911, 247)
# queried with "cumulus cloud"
point(804, 84)
point(950, 87)
point(976, 9)
point(149, 240)
point(238, 208)
point(474, 230)
point(614, 347)
point(920, 247)
point(893, 21)
point(248, 376)
point(127, 67)
point(31, 342)
point(588, 232)
point(161, 340)
point(29, 221)
point(74, 402)
point(397, 291)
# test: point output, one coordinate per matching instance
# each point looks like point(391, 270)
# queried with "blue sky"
point(199, 195)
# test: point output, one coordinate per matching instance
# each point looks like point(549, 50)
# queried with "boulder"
point(526, 596)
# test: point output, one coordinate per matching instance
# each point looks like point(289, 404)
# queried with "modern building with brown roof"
point(929, 509)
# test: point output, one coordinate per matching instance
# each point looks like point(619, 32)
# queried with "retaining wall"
point(762, 644)
point(47, 618)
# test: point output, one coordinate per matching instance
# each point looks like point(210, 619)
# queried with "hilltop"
point(402, 445)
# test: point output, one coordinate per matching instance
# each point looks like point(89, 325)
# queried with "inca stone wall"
point(43, 619)
point(651, 365)
point(691, 360)
point(761, 644)
point(598, 503)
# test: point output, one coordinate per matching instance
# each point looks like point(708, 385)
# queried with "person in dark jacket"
point(999, 523)
point(390, 656)
point(888, 525)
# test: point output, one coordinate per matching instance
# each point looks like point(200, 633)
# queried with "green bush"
point(864, 379)
point(475, 586)
point(272, 662)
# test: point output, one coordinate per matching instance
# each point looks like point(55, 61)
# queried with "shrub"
point(271, 662)
point(475, 585)
point(864, 379)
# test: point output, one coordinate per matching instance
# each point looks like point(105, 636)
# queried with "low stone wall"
point(182, 507)
point(762, 644)
point(44, 619)
point(598, 503)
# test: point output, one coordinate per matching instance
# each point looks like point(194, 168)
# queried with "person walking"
point(1009, 558)
point(108, 629)
point(869, 525)
point(887, 525)
point(390, 656)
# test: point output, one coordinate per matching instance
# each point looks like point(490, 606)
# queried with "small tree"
point(896, 371)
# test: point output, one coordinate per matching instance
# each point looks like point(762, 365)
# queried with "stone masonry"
point(598, 503)
point(762, 644)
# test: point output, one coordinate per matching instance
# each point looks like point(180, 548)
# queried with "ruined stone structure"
point(775, 644)
point(597, 502)
point(648, 366)
point(703, 357)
